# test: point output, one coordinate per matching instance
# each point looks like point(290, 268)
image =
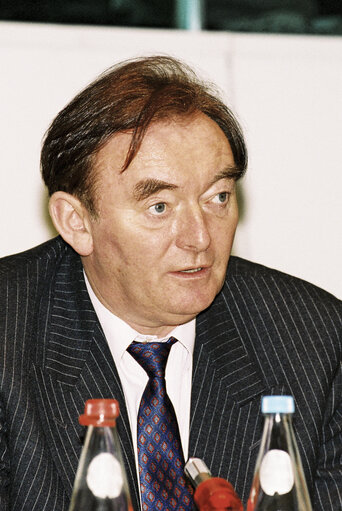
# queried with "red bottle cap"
point(100, 413)
point(217, 494)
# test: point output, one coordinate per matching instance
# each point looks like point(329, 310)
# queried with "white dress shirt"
point(133, 378)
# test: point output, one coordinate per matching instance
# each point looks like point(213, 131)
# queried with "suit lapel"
point(227, 386)
point(73, 364)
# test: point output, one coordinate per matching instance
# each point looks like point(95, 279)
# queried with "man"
point(141, 167)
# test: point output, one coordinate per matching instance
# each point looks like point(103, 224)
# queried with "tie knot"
point(152, 356)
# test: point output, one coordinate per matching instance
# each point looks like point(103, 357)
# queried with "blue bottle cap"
point(277, 404)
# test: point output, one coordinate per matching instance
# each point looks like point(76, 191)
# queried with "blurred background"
point(273, 16)
point(277, 63)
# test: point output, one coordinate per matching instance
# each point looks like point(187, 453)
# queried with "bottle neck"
point(278, 431)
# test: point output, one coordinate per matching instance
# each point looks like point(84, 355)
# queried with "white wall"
point(286, 91)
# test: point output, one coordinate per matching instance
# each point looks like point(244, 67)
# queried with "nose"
point(192, 230)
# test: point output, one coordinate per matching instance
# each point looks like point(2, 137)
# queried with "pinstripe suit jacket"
point(265, 333)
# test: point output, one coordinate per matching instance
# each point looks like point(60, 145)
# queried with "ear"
point(71, 220)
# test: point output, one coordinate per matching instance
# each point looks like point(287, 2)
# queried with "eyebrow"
point(147, 187)
point(230, 172)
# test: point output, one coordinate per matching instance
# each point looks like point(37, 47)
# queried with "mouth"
point(198, 272)
point(192, 270)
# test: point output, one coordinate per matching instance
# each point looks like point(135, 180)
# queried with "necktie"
point(161, 462)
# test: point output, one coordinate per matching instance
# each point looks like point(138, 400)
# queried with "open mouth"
point(193, 273)
point(192, 270)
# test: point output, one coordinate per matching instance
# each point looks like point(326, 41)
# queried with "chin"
point(193, 307)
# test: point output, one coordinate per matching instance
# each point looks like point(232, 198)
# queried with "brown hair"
point(127, 97)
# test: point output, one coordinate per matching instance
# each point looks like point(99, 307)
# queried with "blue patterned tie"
point(161, 462)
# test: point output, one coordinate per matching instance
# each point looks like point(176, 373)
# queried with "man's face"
point(165, 225)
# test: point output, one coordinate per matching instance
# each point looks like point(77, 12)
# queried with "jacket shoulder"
point(43, 256)
point(272, 279)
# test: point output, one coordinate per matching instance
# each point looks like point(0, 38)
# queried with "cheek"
point(134, 252)
point(232, 223)
point(222, 233)
point(222, 247)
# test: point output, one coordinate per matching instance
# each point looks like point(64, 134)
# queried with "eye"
point(221, 197)
point(158, 209)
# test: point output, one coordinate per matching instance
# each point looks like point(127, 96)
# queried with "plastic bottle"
point(211, 493)
point(279, 482)
point(100, 483)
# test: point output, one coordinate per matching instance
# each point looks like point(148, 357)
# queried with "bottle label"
point(276, 473)
point(104, 476)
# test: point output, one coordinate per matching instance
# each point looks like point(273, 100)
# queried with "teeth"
point(192, 271)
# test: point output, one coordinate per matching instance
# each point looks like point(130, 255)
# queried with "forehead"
point(179, 144)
